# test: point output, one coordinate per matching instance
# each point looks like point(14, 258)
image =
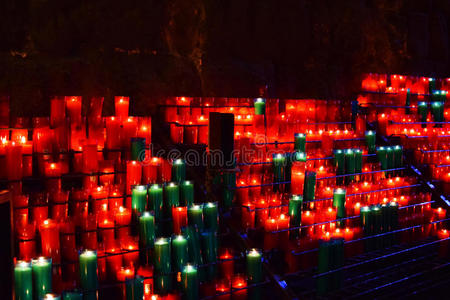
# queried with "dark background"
point(149, 49)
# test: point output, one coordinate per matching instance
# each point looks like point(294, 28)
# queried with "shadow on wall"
point(151, 49)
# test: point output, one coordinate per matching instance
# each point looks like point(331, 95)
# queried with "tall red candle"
point(89, 235)
point(50, 240)
point(134, 173)
point(14, 161)
point(57, 112)
point(121, 105)
point(73, 105)
point(179, 216)
point(123, 219)
point(113, 133)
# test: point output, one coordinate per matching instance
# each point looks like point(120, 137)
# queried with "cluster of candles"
point(134, 222)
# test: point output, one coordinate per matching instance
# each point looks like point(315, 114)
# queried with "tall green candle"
point(300, 142)
point(295, 214)
point(437, 110)
point(172, 197)
point(339, 204)
point(260, 106)
point(155, 197)
point(162, 256)
point(138, 199)
point(377, 224)
point(358, 160)
point(23, 283)
point(431, 85)
point(88, 274)
point(135, 288)
point(279, 162)
point(178, 170)
point(408, 101)
point(72, 295)
point(339, 163)
point(189, 277)
point(382, 157)
point(209, 251)
point(229, 182)
point(390, 157)
point(309, 186)
point(349, 165)
point(366, 220)
point(187, 193)
point(179, 252)
point(42, 276)
point(254, 266)
point(370, 141)
point(193, 246)
point(137, 148)
point(422, 110)
point(147, 229)
point(195, 216)
point(211, 216)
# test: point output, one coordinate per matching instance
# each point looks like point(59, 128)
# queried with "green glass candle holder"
point(422, 110)
point(382, 157)
point(147, 229)
point(178, 171)
point(172, 198)
point(408, 101)
point(42, 276)
point(358, 160)
point(437, 110)
point(180, 252)
point(300, 142)
point(194, 250)
point(279, 163)
point(189, 277)
point(23, 281)
point(137, 148)
point(254, 266)
point(370, 141)
point(138, 199)
point(209, 251)
point(162, 256)
point(88, 274)
point(431, 85)
point(260, 106)
point(339, 204)
point(211, 216)
point(349, 165)
point(155, 199)
point(187, 193)
point(195, 216)
point(390, 157)
point(339, 163)
point(295, 214)
point(309, 186)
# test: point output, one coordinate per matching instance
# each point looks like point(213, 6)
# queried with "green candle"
point(437, 110)
point(370, 141)
point(390, 157)
point(162, 256)
point(211, 216)
point(295, 214)
point(147, 229)
point(135, 288)
point(137, 148)
point(193, 246)
point(323, 266)
point(408, 101)
point(187, 193)
point(366, 220)
point(180, 252)
point(138, 199)
point(195, 216)
point(349, 165)
point(229, 182)
point(189, 277)
point(73, 295)
point(209, 251)
point(279, 162)
point(377, 224)
point(309, 186)
point(422, 110)
point(155, 199)
point(339, 163)
point(382, 157)
point(358, 160)
point(88, 274)
point(300, 142)
point(260, 106)
point(254, 266)
point(162, 284)
point(23, 283)
point(172, 197)
point(431, 85)
point(42, 276)
point(178, 170)
point(339, 204)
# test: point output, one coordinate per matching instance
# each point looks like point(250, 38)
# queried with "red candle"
point(27, 158)
point(121, 105)
point(298, 177)
point(112, 133)
point(134, 172)
point(90, 159)
point(131, 253)
point(145, 129)
point(100, 199)
point(150, 170)
point(115, 199)
point(20, 204)
point(40, 213)
point(53, 172)
point(179, 216)
point(223, 287)
point(248, 216)
point(226, 265)
point(106, 167)
point(50, 240)
point(60, 205)
point(27, 244)
point(113, 261)
point(123, 275)
point(73, 105)
point(123, 218)
point(270, 238)
point(443, 245)
point(14, 161)
point(239, 284)
point(262, 212)
point(57, 112)
point(106, 229)
point(202, 130)
point(89, 235)
point(147, 273)
point(129, 130)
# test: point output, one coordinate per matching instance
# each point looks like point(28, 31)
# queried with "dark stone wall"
point(150, 49)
